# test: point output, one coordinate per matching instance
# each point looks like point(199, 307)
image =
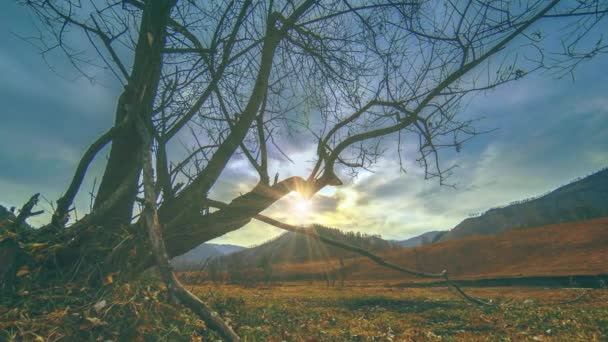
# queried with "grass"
point(308, 312)
point(129, 312)
point(301, 312)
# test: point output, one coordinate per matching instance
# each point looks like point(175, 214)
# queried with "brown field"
point(296, 311)
point(362, 310)
point(579, 248)
point(372, 312)
point(561, 249)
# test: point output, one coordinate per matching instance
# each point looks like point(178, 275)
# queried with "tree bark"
point(138, 97)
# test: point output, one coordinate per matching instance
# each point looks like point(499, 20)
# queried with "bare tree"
point(265, 264)
point(227, 80)
point(214, 271)
point(343, 272)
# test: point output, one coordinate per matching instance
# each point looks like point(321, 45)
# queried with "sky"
point(548, 132)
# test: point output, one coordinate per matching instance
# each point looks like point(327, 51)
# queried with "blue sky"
point(549, 131)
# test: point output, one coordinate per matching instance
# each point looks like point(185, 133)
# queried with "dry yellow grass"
point(575, 248)
point(373, 312)
point(364, 311)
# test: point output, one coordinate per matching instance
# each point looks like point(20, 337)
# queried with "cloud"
point(252, 234)
point(325, 204)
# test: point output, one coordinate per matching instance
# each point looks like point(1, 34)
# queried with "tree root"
point(149, 219)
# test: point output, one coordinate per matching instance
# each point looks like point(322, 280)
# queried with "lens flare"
point(301, 207)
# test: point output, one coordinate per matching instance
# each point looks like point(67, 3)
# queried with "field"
point(362, 310)
point(301, 312)
point(373, 312)
point(312, 312)
point(574, 248)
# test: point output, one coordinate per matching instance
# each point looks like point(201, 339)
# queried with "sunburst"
point(301, 207)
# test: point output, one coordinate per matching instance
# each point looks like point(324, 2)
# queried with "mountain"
point(228, 249)
point(420, 240)
point(573, 248)
point(583, 199)
point(292, 247)
point(566, 249)
point(197, 257)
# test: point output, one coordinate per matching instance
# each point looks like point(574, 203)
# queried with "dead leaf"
point(36, 246)
point(195, 338)
point(95, 321)
point(8, 235)
point(99, 305)
point(486, 318)
point(92, 323)
point(109, 280)
point(23, 271)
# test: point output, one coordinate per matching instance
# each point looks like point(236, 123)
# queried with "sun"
point(301, 207)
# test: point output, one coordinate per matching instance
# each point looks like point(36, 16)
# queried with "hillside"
point(293, 247)
point(556, 250)
point(196, 258)
point(583, 199)
point(420, 240)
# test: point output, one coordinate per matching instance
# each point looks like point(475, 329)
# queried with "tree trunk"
point(100, 246)
point(137, 98)
point(122, 163)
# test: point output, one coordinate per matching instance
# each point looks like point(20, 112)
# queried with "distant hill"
point(292, 247)
point(196, 258)
point(575, 248)
point(583, 199)
point(420, 240)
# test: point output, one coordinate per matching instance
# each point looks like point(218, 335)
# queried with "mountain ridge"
point(583, 199)
point(197, 257)
point(420, 240)
point(294, 247)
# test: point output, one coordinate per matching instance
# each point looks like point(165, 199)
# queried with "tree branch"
point(59, 218)
point(190, 228)
point(310, 232)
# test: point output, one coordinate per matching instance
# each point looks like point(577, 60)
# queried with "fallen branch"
point(380, 261)
point(373, 257)
point(26, 210)
point(572, 301)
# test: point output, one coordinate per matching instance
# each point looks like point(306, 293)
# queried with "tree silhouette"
point(230, 77)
